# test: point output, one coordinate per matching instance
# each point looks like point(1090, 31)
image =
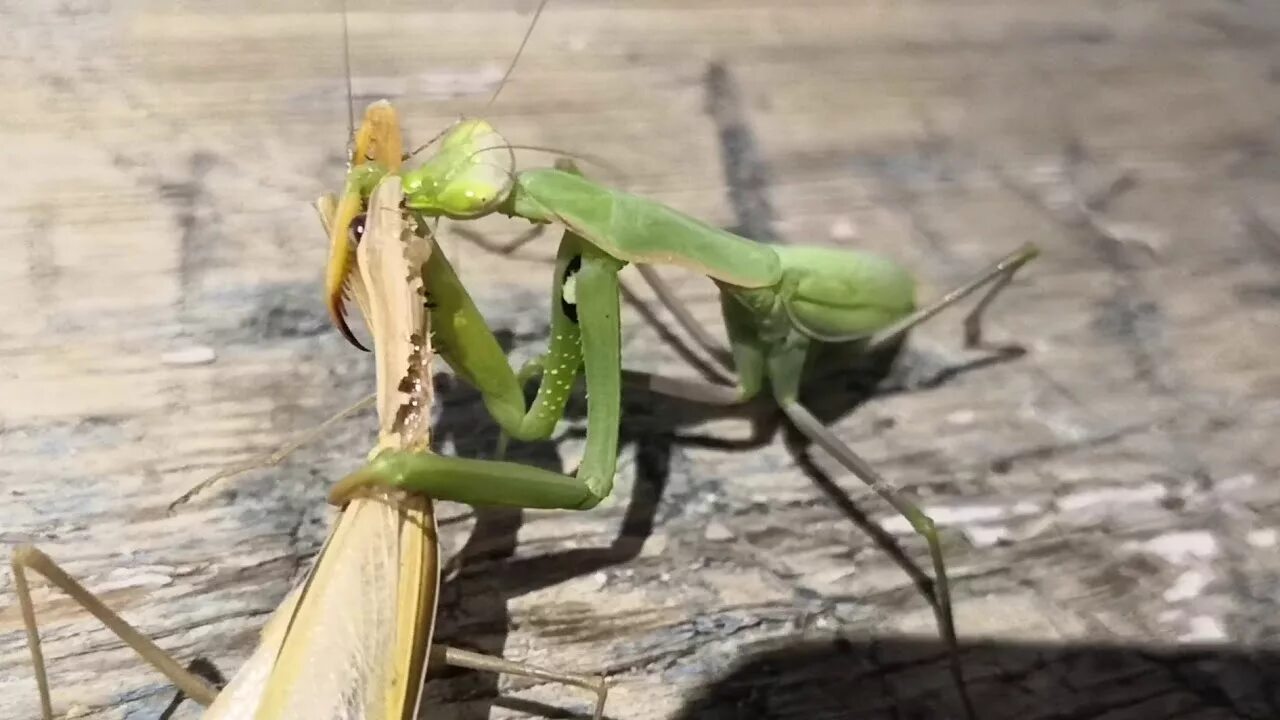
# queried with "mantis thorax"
point(468, 177)
point(765, 308)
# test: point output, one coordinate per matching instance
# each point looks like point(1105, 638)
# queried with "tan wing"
point(355, 646)
point(239, 700)
point(352, 643)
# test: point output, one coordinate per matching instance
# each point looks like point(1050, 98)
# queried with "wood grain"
point(1109, 500)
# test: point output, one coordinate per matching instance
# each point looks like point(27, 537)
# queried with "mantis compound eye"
point(356, 229)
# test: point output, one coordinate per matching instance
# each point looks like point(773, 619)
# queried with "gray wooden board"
point(1108, 500)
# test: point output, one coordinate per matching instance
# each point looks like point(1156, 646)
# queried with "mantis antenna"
point(594, 160)
point(511, 67)
point(516, 58)
point(346, 71)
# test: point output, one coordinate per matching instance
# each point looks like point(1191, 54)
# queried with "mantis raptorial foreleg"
point(328, 208)
point(585, 334)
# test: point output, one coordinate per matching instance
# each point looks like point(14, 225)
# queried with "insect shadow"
point(908, 678)
point(487, 576)
point(838, 381)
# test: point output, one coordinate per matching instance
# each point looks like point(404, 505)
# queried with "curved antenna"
point(519, 51)
point(587, 158)
point(430, 142)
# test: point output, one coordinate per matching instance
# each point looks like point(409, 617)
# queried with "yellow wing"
point(352, 642)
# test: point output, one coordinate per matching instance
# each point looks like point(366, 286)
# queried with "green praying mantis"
point(781, 306)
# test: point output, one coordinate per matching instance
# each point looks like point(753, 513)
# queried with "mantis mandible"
point(781, 306)
point(354, 640)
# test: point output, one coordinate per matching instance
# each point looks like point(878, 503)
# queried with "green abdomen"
point(844, 293)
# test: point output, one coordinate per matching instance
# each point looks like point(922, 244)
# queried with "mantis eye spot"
point(356, 230)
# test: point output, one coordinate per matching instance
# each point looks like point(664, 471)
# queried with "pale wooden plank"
point(164, 157)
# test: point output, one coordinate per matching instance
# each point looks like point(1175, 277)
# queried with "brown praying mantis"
point(354, 640)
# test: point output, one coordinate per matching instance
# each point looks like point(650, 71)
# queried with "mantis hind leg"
point(487, 663)
point(998, 276)
point(939, 590)
point(27, 558)
point(784, 370)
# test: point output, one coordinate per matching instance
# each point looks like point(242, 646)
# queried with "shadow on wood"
point(905, 679)
point(474, 602)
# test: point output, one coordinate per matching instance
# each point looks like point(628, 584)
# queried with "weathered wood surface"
point(1109, 499)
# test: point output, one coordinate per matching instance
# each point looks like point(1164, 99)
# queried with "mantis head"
point(376, 150)
point(469, 176)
